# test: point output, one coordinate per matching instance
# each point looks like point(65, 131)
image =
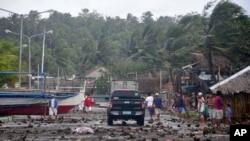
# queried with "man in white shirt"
point(149, 101)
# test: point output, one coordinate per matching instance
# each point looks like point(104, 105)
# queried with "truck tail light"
point(143, 105)
point(110, 105)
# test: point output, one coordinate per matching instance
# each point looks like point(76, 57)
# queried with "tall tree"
point(222, 32)
point(8, 63)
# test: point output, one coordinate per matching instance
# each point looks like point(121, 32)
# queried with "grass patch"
point(193, 114)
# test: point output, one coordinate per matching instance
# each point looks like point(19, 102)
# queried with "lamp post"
point(22, 16)
point(44, 33)
point(29, 40)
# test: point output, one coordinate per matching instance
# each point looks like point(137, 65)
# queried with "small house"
point(93, 75)
point(236, 91)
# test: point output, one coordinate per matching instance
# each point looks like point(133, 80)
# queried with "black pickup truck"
point(126, 105)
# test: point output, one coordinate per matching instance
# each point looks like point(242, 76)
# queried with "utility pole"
point(160, 81)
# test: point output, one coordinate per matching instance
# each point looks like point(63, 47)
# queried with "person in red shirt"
point(218, 101)
point(88, 103)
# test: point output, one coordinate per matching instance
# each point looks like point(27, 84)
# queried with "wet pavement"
point(64, 128)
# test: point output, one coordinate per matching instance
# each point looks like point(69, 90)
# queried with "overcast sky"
point(112, 7)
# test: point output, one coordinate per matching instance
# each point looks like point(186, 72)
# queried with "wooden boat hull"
point(36, 103)
point(33, 110)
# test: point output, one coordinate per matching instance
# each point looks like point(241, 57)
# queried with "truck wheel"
point(140, 120)
point(110, 120)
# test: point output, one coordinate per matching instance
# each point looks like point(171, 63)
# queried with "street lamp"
point(22, 16)
point(44, 33)
point(29, 39)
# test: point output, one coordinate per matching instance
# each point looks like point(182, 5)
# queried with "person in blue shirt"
point(228, 113)
point(53, 105)
point(158, 106)
point(179, 105)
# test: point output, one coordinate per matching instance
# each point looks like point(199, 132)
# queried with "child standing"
point(206, 114)
point(228, 113)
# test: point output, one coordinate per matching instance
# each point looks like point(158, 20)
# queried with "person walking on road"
point(218, 108)
point(201, 107)
point(179, 105)
point(186, 105)
point(192, 101)
point(158, 105)
point(149, 101)
point(53, 105)
point(88, 103)
point(211, 110)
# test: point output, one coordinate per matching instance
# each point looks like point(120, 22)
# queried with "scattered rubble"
point(78, 127)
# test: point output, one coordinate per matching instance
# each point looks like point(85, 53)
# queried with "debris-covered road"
point(70, 127)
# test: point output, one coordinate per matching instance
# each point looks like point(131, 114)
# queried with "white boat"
point(25, 102)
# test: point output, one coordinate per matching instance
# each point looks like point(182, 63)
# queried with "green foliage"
point(129, 45)
point(223, 33)
point(8, 63)
point(122, 67)
point(102, 85)
point(183, 38)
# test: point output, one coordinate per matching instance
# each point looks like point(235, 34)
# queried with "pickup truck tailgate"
point(126, 104)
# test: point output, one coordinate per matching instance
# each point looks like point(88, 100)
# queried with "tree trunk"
point(210, 63)
point(172, 79)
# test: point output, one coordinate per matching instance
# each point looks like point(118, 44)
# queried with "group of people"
point(154, 105)
point(85, 105)
point(215, 109)
point(210, 108)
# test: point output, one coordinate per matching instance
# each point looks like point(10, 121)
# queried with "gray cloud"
point(112, 7)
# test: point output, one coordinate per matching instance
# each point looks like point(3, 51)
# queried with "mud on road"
point(64, 129)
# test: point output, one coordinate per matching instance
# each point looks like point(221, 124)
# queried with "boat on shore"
point(23, 101)
point(36, 103)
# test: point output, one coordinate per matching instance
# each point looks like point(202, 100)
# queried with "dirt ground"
point(170, 128)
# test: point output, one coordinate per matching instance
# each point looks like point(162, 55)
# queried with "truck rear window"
point(126, 94)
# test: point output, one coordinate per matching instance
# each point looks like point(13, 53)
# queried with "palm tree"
point(222, 32)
